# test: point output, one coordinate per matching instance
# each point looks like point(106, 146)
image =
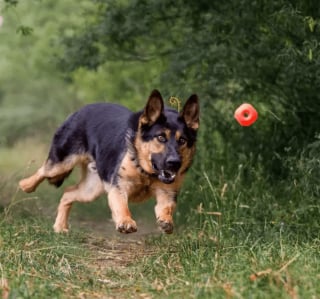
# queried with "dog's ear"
point(153, 109)
point(191, 111)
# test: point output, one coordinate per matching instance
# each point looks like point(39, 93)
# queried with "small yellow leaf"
point(310, 56)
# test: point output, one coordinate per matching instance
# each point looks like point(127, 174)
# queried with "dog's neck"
point(132, 151)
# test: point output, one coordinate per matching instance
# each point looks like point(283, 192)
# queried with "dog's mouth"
point(164, 175)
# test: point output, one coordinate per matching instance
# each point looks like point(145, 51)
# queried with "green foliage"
point(35, 97)
point(11, 2)
point(245, 197)
point(24, 30)
point(264, 52)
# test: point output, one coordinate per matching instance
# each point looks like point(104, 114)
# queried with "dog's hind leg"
point(89, 188)
point(54, 172)
point(31, 183)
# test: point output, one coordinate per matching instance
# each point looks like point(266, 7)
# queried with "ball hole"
point(246, 114)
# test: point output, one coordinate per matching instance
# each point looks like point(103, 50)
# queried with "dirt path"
point(106, 229)
point(115, 249)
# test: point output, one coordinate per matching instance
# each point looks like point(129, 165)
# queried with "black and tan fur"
point(130, 156)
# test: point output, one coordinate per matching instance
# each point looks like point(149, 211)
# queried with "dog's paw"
point(127, 226)
point(166, 226)
point(27, 185)
point(58, 228)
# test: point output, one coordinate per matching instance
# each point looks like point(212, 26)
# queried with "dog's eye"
point(182, 141)
point(161, 138)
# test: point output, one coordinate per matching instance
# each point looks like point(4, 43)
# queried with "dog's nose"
point(173, 163)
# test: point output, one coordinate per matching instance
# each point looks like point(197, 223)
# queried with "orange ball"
point(246, 115)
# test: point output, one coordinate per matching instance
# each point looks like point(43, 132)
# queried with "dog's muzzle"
point(164, 175)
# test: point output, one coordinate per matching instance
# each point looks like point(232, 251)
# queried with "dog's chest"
point(136, 185)
point(137, 189)
point(139, 193)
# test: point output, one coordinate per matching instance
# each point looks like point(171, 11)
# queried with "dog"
point(130, 156)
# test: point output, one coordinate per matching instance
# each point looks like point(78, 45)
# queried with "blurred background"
point(58, 55)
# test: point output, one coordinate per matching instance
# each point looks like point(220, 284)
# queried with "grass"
point(212, 261)
point(36, 263)
point(233, 240)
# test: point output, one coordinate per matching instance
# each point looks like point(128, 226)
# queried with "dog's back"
point(96, 130)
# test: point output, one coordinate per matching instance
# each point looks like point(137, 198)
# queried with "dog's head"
point(165, 142)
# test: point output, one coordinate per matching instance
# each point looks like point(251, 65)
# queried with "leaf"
point(24, 30)
point(311, 23)
point(11, 2)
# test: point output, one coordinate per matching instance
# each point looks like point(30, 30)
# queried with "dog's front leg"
point(166, 204)
point(118, 203)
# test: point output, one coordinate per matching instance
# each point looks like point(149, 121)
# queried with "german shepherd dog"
point(130, 156)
